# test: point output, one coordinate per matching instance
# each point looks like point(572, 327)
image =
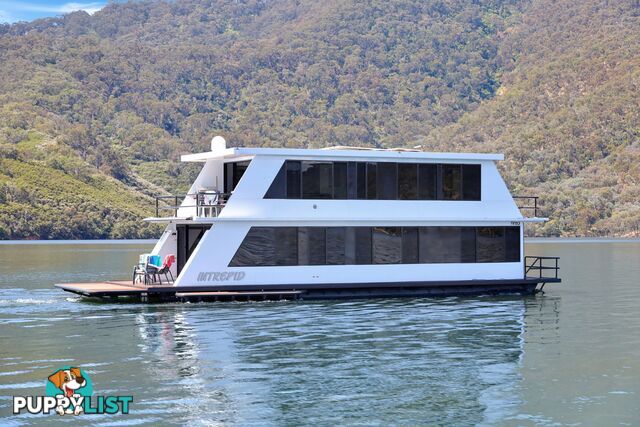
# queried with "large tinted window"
point(311, 246)
point(440, 244)
point(381, 181)
point(512, 244)
point(387, 245)
point(407, 181)
point(335, 245)
point(269, 246)
point(286, 246)
point(372, 181)
point(257, 248)
point(352, 180)
point(362, 180)
point(317, 180)
point(451, 182)
point(278, 188)
point(410, 245)
point(468, 244)
point(340, 180)
point(427, 182)
point(294, 189)
point(490, 244)
point(232, 174)
point(387, 181)
point(363, 245)
point(471, 182)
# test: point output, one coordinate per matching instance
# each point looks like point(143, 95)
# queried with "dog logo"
point(71, 383)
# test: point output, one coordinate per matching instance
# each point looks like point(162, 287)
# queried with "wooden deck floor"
point(111, 290)
point(115, 289)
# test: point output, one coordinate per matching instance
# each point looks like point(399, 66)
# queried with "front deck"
point(115, 290)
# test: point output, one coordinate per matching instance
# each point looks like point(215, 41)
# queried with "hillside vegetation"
point(95, 110)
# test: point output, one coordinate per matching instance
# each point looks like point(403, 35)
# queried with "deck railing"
point(207, 204)
point(528, 205)
point(541, 264)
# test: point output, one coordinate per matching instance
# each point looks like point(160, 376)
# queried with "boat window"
point(233, 171)
point(440, 244)
point(468, 244)
point(490, 244)
point(372, 191)
point(286, 245)
point(362, 180)
point(256, 248)
point(387, 245)
point(349, 245)
point(381, 181)
point(512, 244)
point(427, 182)
point(317, 180)
point(335, 245)
point(294, 189)
point(293, 180)
point(352, 180)
point(407, 181)
point(271, 246)
point(311, 246)
point(387, 181)
point(471, 182)
point(340, 180)
point(278, 188)
point(451, 182)
point(410, 245)
point(363, 245)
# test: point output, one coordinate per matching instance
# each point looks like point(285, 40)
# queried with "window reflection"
point(271, 246)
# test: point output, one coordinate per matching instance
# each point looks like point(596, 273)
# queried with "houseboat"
point(338, 222)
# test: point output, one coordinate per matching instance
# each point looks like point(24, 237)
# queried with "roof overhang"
point(380, 221)
point(234, 152)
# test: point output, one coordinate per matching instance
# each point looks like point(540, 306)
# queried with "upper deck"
point(342, 184)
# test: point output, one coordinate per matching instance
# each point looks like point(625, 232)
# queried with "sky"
point(14, 10)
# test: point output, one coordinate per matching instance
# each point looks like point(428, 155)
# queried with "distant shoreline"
point(80, 242)
point(582, 240)
point(153, 241)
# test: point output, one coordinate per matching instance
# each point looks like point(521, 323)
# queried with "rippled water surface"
point(568, 357)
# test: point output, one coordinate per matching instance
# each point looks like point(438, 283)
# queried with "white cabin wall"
point(495, 192)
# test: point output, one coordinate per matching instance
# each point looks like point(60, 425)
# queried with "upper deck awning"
point(336, 153)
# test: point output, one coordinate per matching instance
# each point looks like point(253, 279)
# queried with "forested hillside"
point(95, 110)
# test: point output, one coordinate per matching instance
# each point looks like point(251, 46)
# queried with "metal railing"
point(540, 264)
point(208, 204)
point(529, 203)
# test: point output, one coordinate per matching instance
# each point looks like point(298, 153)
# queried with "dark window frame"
point(364, 181)
point(363, 243)
point(231, 176)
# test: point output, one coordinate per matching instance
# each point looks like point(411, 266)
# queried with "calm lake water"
point(568, 357)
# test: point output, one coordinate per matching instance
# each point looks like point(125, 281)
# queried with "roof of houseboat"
point(335, 152)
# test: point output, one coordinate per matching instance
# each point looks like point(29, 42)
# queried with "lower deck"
point(115, 290)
